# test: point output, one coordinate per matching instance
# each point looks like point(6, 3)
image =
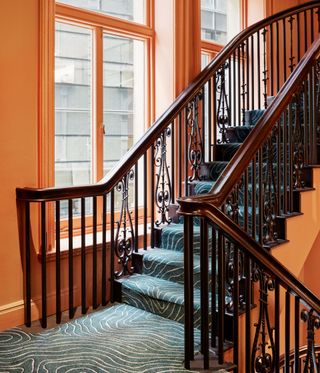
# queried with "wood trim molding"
point(46, 92)
point(109, 23)
point(187, 42)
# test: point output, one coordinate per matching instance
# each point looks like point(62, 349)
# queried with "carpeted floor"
point(120, 339)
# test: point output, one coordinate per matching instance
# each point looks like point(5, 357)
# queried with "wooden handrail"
point(253, 248)
point(151, 135)
point(244, 155)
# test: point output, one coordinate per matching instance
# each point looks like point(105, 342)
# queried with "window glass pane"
point(204, 60)
point(73, 102)
point(133, 10)
point(123, 96)
point(220, 20)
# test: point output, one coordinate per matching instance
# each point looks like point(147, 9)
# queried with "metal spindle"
point(287, 332)
point(145, 203)
point(213, 289)
point(254, 193)
point(179, 154)
point(298, 38)
point(221, 296)
point(28, 265)
point(70, 257)
point(58, 267)
point(258, 70)
point(43, 265)
point(247, 271)
point(296, 334)
point(104, 251)
point(290, 133)
point(94, 255)
point(204, 259)
point(276, 325)
point(209, 113)
point(252, 73)
point(271, 63)
point(152, 194)
point(186, 192)
point(260, 211)
point(136, 204)
point(312, 25)
point(236, 307)
point(277, 57)
point(112, 245)
point(173, 157)
point(305, 31)
point(234, 111)
point(284, 45)
point(83, 257)
point(188, 290)
point(285, 163)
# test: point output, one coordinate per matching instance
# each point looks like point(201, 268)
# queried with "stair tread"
point(170, 257)
point(159, 289)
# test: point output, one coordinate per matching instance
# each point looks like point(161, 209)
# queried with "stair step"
point(158, 296)
point(169, 265)
point(172, 238)
point(224, 152)
point(162, 297)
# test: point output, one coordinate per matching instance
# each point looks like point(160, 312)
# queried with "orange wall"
point(18, 142)
point(19, 138)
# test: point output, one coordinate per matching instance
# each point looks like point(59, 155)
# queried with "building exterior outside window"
point(220, 20)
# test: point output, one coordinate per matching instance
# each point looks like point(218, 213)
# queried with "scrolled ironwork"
point(263, 349)
point(230, 274)
point(232, 203)
point(124, 241)
point(223, 107)
point(195, 146)
point(163, 188)
point(313, 323)
point(298, 143)
point(270, 203)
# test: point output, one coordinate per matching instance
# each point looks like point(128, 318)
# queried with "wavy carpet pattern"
point(120, 339)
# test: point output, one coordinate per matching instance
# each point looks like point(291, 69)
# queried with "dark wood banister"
point(253, 248)
point(132, 156)
point(244, 155)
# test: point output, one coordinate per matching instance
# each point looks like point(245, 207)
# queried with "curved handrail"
point(242, 158)
point(253, 248)
point(150, 136)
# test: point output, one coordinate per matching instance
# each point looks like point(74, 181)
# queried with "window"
point(133, 10)
point(100, 90)
point(220, 20)
point(73, 105)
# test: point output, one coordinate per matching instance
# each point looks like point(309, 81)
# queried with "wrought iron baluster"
point(298, 143)
point(313, 322)
point(265, 70)
point(263, 349)
point(163, 187)
point(243, 85)
point(223, 107)
point(124, 241)
point(195, 146)
point(270, 203)
point(291, 58)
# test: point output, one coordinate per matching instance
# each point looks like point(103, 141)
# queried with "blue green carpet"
point(119, 339)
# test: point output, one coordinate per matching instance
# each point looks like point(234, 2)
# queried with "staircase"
point(191, 214)
point(159, 287)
